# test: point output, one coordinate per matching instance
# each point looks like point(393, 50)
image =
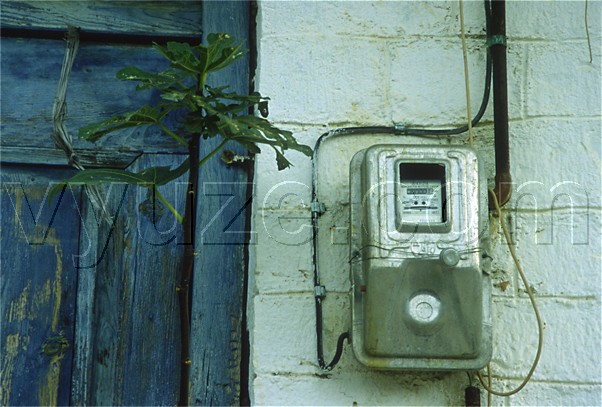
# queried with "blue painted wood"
point(47, 156)
point(125, 345)
point(164, 18)
point(221, 231)
point(136, 343)
point(29, 75)
point(37, 286)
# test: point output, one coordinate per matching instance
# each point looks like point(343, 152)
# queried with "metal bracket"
point(496, 40)
point(399, 127)
point(320, 291)
point(317, 207)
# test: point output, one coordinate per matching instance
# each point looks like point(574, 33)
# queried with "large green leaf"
point(149, 80)
point(219, 92)
point(211, 110)
point(152, 176)
point(183, 56)
point(99, 176)
point(222, 50)
point(144, 116)
point(163, 175)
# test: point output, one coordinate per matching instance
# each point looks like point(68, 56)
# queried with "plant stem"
point(212, 153)
point(183, 288)
point(168, 205)
point(172, 134)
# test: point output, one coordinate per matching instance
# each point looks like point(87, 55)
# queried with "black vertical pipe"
point(472, 396)
point(500, 101)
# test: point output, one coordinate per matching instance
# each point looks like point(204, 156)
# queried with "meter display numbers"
point(421, 201)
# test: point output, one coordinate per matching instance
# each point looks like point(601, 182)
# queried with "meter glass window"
point(423, 196)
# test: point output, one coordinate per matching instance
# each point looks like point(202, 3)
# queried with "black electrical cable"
point(315, 213)
point(316, 210)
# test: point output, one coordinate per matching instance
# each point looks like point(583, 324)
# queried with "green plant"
point(211, 111)
point(205, 112)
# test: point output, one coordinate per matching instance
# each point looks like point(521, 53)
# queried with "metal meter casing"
point(421, 290)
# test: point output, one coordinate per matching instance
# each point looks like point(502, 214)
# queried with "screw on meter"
point(421, 201)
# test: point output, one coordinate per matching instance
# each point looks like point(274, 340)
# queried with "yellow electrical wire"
point(488, 386)
point(533, 303)
point(489, 394)
point(466, 74)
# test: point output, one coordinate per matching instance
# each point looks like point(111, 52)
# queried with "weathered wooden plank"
point(46, 156)
point(164, 18)
point(37, 286)
point(136, 346)
point(219, 268)
point(29, 75)
point(83, 349)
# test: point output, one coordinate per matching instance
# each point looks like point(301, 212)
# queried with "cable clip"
point(496, 40)
point(399, 127)
point(317, 207)
point(320, 291)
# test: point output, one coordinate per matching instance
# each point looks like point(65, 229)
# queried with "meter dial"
point(421, 202)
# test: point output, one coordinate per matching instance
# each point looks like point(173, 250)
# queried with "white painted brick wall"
point(330, 64)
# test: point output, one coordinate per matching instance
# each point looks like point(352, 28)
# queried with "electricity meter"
point(420, 284)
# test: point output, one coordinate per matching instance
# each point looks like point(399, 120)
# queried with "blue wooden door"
point(88, 309)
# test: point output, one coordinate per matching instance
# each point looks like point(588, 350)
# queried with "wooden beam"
point(30, 72)
point(138, 18)
point(221, 231)
point(55, 157)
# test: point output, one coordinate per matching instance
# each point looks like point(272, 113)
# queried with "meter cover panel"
point(420, 290)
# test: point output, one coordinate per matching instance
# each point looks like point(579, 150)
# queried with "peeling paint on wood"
point(11, 349)
point(120, 345)
point(55, 156)
point(49, 387)
point(165, 18)
point(94, 94)
point(37, 286)
point(219, 267)
point(135, 305)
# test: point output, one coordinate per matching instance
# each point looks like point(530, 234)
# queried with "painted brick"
point(286, 228)
point(289, 188)
point(571, 339)
point(538, 238)
point(561, 81)
point(292, 317)
point(503, 275)
point(544, 174)
point(552, 20)
point(289, 346)
point(272, 276)
point(558, 394)
point(333, 251)
point(309, 79)
point(332, 64)
point(354, 389)
point(288, 343)
point(551, 247)
point(425, 91)
point(389, 19)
